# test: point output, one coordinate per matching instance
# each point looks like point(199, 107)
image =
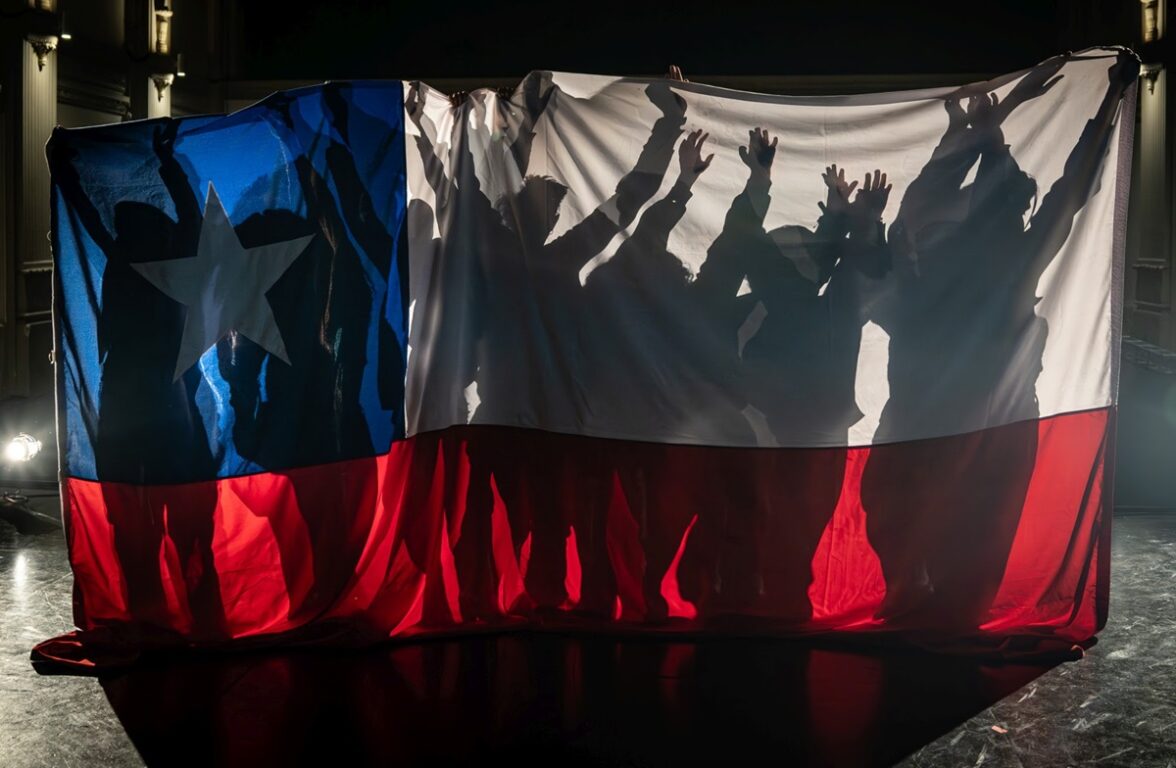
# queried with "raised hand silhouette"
point(759, 154)
point(985, 114)
point(666, 99)
point(690, 160)
point(518, 118)
point(839, 191)
point(1037, 82)
point(957, 118)
point(866, 210)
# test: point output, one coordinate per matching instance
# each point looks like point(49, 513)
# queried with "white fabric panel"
point(575, 268)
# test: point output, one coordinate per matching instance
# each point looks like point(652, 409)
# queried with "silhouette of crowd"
point(525, 317)
point(771, 348)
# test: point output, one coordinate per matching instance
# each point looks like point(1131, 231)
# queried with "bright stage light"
point(23, 447)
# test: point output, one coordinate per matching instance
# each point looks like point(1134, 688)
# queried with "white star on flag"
point(224, 286)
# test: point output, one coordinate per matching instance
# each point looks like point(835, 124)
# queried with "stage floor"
point(555, 700)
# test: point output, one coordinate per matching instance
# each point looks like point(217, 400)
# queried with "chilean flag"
point(362, 361)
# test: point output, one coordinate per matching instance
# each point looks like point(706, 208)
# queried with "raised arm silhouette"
point(796, 354)
point(967, 253)
point(557, 313)
point(516, 285)
point(640, 307)
point(145, 420)
point(323, 306)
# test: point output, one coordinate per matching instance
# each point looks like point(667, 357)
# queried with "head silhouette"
point(533, 211)
point(143, 230)
point(419, 218)
point(1011, 198)
point(1022, 193)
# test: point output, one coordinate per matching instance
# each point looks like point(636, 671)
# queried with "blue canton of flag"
point(231, 291)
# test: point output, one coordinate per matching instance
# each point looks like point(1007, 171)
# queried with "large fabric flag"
point(362, 361)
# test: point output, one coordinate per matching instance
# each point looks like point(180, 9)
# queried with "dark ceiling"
point(459, 38)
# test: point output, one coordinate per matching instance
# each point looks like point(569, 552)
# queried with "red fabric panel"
point(979, 539)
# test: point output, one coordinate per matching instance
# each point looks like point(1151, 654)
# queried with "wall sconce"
point(162, 82)
point(42, 46)
point(1151, 20)
point(1150, 73)
point(163, 14)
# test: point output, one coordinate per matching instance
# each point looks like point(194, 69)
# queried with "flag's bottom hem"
point(107, 650)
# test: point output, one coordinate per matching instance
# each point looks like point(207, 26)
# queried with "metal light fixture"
point(1150, 73)
point(42, 46)
point(163, 14)
point(162, 82)
point(167, 70)
point(1151, 20)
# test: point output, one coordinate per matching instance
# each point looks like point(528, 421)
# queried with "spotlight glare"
point(23, 447)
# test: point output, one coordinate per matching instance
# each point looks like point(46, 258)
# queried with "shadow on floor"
point(553, 699)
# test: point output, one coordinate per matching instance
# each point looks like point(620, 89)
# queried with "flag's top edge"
point(882, 97)
point(211, 117)
point(589, 84)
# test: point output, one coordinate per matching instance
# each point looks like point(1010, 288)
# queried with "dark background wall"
point(362, 38)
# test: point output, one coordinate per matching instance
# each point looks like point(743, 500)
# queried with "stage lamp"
point(22, 448)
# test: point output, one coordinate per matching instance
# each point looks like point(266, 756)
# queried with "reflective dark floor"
point(550, 699)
